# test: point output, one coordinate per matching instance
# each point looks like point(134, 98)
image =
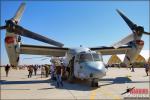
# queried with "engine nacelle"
point(134, 52)
point(12, 48)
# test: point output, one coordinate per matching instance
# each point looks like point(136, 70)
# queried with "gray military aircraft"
point(84, 63)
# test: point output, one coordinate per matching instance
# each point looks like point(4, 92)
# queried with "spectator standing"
point(35, 69)
point(42, 71)
point(59, 72)
point(52, 69)
point(146, 68)
point(7, 68)
point(132, 68)
point(46, 70)
point(30, 70)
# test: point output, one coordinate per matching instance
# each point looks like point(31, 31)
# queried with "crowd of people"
point(56, 70)
point(45, 70)
point(132, 67)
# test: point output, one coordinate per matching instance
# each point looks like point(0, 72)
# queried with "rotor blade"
point(124, 41)
point(27, 58)
point(127, 20)
point(19, 13)
point(146, 33)
point(2, 27)
point(33, 57)
point(26, 33)
point(44, 58)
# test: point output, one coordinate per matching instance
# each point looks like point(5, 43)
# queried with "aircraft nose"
point(95, 69)
point(100, 70)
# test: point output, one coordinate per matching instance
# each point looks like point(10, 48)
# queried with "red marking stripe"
point(9, 40)
point(140, 42)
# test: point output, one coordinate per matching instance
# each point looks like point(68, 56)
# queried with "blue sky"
point(75, 23)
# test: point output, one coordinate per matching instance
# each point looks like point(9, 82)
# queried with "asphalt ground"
point(18, 86)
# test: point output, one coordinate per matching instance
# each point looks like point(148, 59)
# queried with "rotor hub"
point(139, 30)
point(10, 25)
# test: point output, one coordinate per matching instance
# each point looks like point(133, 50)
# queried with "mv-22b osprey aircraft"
point(86, 63)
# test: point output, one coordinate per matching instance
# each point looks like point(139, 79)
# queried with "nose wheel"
point(94, 83)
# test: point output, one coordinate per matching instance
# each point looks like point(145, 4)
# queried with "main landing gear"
point(71, 75)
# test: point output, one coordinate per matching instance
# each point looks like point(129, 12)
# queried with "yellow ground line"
point(93, 94)
point(104, 92)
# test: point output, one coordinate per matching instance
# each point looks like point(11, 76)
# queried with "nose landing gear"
point(94, 83)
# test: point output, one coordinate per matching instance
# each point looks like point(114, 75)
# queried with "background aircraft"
point(92, 66)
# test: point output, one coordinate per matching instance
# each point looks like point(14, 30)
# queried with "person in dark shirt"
point(30, 70)
point(35, 69)
point(146, 68)
point(7, 69)
point(46, 70)
point(132, 68)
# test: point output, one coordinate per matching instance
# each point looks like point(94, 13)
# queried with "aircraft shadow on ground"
point(80, 86)
point(84, 86)
point(4, 82)
point(120, 80)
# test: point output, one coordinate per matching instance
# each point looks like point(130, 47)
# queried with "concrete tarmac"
point(18, 86)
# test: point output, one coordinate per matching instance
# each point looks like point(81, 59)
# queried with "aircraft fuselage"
point(87, 64)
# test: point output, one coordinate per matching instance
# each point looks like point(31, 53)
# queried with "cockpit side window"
point(77, 58)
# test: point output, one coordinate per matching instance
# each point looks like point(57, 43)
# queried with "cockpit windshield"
point(97, 57)
point(85, 57)
point(90, 57)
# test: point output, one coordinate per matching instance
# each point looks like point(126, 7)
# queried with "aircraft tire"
point(94, 83)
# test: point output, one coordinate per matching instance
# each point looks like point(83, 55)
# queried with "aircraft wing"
point(111, 50)
point(43, 50)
